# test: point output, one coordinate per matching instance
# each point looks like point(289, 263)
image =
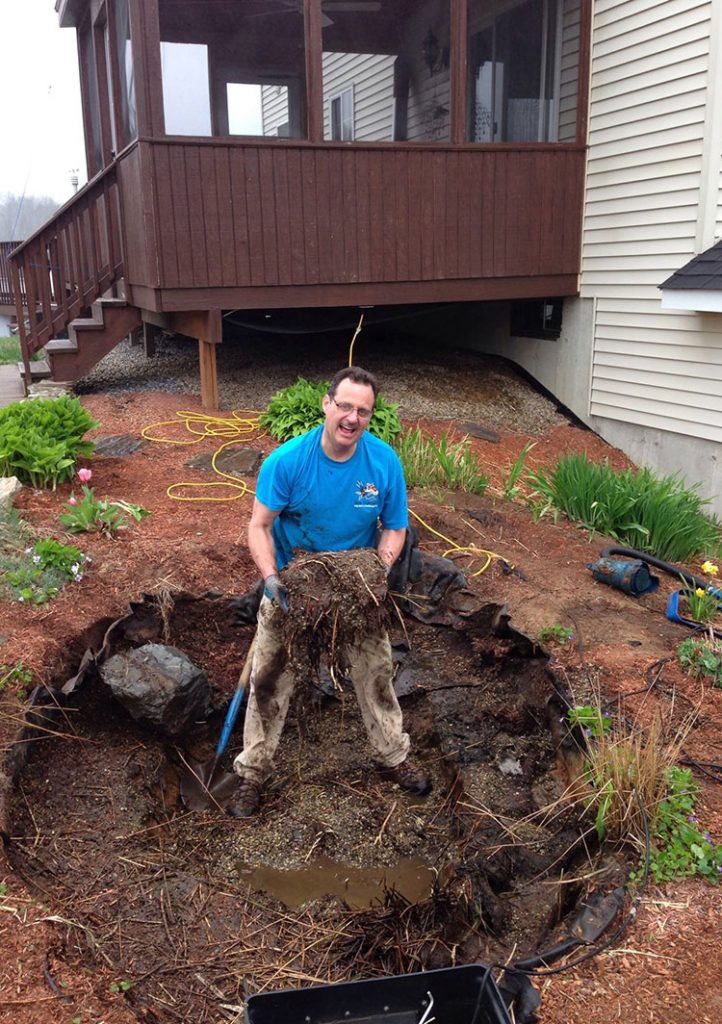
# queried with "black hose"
point(673, 570)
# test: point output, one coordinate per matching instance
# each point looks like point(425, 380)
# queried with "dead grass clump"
point(335, 599)
point(628, 766)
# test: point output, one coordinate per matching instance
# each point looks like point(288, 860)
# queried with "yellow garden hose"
point(471, 550)
point(243, 425)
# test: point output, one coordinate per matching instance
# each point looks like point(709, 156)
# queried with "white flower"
point(77, 577)
point(36, 558)
point(74, 568)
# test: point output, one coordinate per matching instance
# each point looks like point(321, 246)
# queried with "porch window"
point(235, 69)
point(394, 60)
point(523, 60)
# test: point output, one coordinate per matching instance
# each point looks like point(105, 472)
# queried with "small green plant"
point(297, 409)
point(702, 657)
point(702, 604)
point(41, 440)
point(556, 634)
point(510, 477)
point(93, 515)
point(679, 847)
point(121, 986)
point(655, 514)
point(38, 573)
point(16, 674)
point(3, 889)
point(447, 465)
point(591, 719)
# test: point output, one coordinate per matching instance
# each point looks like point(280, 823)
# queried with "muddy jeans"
point(272, 684)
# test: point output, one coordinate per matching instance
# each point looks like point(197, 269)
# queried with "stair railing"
point(68, 263)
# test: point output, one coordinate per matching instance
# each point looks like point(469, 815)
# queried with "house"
point(232, 169)
point(552, 162)
point(7, 298)
point(639, 353)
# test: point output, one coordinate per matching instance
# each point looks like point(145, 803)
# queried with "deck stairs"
point(64, 278)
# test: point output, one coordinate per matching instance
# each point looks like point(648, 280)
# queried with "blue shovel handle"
point(235, 706)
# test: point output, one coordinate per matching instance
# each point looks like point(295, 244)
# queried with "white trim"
point(696, 299)
point(712, 144)
point(348, 89)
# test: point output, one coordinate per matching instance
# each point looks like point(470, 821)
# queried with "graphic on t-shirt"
point(369, 491)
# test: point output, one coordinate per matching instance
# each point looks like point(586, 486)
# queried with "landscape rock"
point(9, 487)
point(159, 686)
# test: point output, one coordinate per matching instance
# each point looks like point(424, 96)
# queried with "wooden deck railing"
point(7, 298)
point(67, 264)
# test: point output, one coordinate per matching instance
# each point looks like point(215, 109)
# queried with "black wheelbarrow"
point(454, 995)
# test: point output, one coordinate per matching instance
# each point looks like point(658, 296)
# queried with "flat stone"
point(119, 445)
point(240, 462)
point(9, 487)
point(477, 430)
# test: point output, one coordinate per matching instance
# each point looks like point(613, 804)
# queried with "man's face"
point(344, 427)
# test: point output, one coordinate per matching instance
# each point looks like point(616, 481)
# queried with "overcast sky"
point(42, 126)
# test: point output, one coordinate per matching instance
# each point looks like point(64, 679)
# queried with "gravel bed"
point(432, 382)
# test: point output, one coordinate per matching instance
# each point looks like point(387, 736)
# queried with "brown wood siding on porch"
point(246, 215)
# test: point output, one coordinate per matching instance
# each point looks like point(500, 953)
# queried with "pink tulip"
point(72, 500)
point(85, 475)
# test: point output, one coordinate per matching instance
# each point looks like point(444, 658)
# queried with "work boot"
point(245, 801)
point(409, 777)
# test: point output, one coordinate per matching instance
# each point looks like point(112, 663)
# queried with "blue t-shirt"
point(326, 505)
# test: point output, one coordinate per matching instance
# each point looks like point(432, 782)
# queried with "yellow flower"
point(710, 568)
point(699, 592)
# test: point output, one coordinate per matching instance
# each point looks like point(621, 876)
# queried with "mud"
point(201, 910)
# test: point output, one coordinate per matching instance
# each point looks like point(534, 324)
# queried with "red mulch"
point(666, 968)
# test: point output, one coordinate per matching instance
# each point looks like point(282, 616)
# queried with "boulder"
point(9, 487)
point(158, 686)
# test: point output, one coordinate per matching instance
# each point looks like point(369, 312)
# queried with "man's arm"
point(260, 539)
point(390, 544)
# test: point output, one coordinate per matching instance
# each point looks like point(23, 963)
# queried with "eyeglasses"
point(346, 408)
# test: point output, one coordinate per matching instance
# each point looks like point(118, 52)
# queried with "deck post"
point(207, 326)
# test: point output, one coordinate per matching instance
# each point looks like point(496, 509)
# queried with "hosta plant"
point(41, 440)
point(297, 409)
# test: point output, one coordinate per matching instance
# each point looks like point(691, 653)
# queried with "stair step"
point(60, 345)
point(39, 369)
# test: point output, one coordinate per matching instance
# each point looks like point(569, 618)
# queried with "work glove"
point(275, 591)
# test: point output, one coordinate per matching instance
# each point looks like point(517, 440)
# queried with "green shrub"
point(297, 408)
point(16, 675)
point(448, 465)
point(41, 440)
point(634, 507)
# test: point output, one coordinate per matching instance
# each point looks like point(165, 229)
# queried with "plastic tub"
point(674, 615)
point(462, 995)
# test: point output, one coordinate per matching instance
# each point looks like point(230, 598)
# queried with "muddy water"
point(357, 887)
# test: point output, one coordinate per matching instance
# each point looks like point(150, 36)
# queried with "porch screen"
point(523, 61)
point(385, 70)
point(233, 67)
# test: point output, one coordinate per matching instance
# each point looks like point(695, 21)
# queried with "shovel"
point(202, 785)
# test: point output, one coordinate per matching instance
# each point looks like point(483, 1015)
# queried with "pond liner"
point(464, 995)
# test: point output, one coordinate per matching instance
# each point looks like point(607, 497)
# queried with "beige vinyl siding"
point(649, 78)
point(372, 78)
point(274, 108)
point(569, 76)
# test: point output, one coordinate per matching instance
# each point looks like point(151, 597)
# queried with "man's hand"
point(275, 591)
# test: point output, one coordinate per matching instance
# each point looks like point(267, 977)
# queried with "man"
point(327, 490)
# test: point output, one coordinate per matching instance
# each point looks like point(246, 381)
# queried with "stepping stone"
point(118, 445)
point(477, 430)
point(240, 462)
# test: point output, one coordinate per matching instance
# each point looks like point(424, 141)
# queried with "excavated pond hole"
point(340, 874)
